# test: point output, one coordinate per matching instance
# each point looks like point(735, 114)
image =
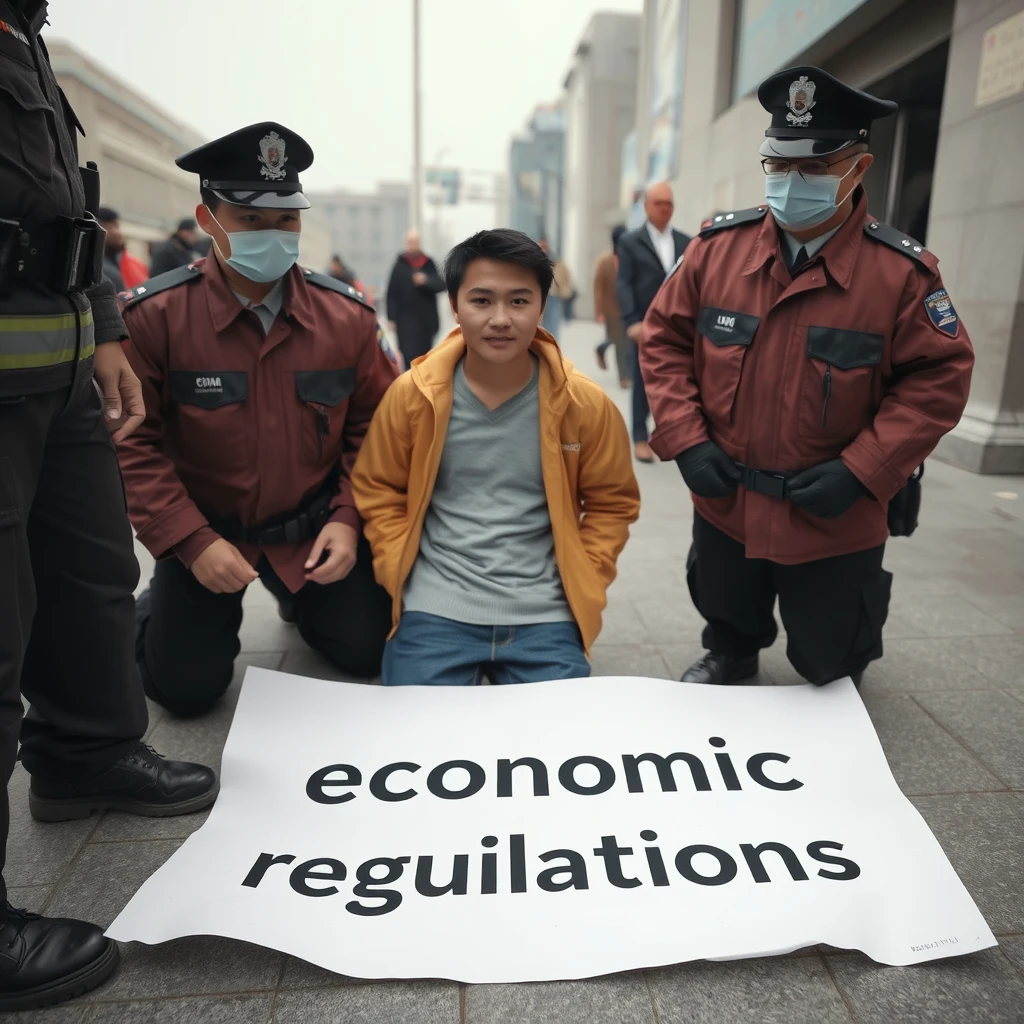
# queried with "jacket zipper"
point(826, 392)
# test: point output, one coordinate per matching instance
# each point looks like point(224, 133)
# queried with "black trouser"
point(833, 608)
point(67, 573)
point(187, 637)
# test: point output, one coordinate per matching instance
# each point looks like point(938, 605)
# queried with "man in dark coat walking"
point(412, 299)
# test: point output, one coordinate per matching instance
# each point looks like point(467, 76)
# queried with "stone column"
point(976, 228)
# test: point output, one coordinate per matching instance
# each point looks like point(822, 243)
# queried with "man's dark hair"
point(210, 201)
point(503, 245)
point(105, 215)
point(187, 223)
point(617, 232)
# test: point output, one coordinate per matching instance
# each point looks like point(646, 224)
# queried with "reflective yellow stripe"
point(38, 341)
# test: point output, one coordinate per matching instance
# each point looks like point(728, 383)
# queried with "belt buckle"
point(775, 484)
point(293, 530)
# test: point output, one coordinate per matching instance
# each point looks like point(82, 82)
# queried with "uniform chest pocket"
point(325, 393)
point(727, 335)
point(210, 421)
point(25, 116)
point(838, 391)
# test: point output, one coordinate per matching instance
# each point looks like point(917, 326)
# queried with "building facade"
point(536, 167)
point(600, 112)
point(367, 230)
point(947, 168)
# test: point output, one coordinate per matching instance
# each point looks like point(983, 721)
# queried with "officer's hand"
point(419, 278)
point(827, 490)
point(635, 332)
point(339, 540)
point(708, 471)
point(123, 406)
point(222, 569)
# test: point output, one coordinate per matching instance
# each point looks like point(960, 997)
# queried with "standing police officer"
point(801, 362)
point(67, 563)
point(260, 380)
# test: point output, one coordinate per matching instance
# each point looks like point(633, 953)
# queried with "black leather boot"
point(46, 960)
point(720, 669)
point(141, 782)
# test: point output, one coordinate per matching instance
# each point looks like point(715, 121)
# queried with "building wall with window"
point(947, 168)
point(536, 168)
point(367, 229)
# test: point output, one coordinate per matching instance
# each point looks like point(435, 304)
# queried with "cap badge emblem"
point(801, 101)
point(272, 157)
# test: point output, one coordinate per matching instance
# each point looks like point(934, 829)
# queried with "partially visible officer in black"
point(67, 564)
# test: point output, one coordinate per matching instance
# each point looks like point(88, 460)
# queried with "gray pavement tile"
point(73, 1013)
point(912, 666)
point(232, 1010)
point(37, 853)
point(1013, 949)
point(981, 988)
point(422, 1002)
point(982, 834)
point(29, 897)
point(105, 877)
point(667, 617)
point(998, 658)
point(989, 723)
point(628, 660)
point(1005, 607)
point(263, 630)
point(619, 999)
point(621, 625)
point(942, 615)
point(302, 974)
point(193, 966)
point(771, 990)
point(122, 828)
point(303, 661)
point(924, 758)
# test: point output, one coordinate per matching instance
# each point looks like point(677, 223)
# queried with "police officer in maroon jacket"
point(260, 379)
point(801, 362)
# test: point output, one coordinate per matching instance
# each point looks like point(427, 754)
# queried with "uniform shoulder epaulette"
point(334, 285)
point(731, 220)
point(160, 283)
point(896, 239)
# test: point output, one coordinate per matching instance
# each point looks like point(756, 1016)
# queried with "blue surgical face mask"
point(262, 256)
point(798, 203)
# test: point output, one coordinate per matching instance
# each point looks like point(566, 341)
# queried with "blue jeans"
point(428, 650)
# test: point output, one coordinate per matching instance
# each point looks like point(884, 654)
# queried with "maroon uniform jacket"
point(241, 425)
point(860, 357)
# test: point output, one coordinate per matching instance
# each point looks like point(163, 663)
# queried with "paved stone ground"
point(948, 703)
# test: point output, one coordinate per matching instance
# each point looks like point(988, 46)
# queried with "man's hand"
point(419, 278)
point(122, 392)
point(708, 471)
point(222, 569)
point(635, 332)
point(339, 540)
point(827, 490)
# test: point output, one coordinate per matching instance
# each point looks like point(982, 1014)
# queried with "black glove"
point(827, 490)
point(708, 471)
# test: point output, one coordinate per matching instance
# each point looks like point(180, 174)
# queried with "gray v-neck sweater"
point(487, 556)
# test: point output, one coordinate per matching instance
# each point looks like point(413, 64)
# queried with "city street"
point(947, 701)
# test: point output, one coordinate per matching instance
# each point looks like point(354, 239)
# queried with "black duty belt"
point(65, 254)
point(774, 485)
point(294, 527)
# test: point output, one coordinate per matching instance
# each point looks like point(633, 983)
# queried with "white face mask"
point(263, 256)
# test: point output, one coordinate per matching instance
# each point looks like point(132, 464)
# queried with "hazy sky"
point(339, 72)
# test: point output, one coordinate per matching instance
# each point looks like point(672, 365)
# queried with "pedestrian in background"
point(561, 290)
point(802, 361)
point(341, 271)
point(646, 255)
point(607, 311)
point(131, 269)
point(179, 250)
point(412, 299)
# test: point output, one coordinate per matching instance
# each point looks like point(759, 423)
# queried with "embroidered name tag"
point(574, 447)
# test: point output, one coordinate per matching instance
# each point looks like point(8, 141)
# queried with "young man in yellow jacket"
point(496, 487)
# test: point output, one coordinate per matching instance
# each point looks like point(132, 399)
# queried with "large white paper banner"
point(556, 830)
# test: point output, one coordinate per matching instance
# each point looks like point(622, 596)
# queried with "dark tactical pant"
point(67, 573)
point(187, 638)
point(833, 608)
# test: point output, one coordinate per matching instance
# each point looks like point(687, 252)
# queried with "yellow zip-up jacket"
point(586, 462)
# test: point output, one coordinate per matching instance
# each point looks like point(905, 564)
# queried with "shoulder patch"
point(160, 283)
point(731, 220)
point(895, 239)
point(334, 285)
point(940, 311)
